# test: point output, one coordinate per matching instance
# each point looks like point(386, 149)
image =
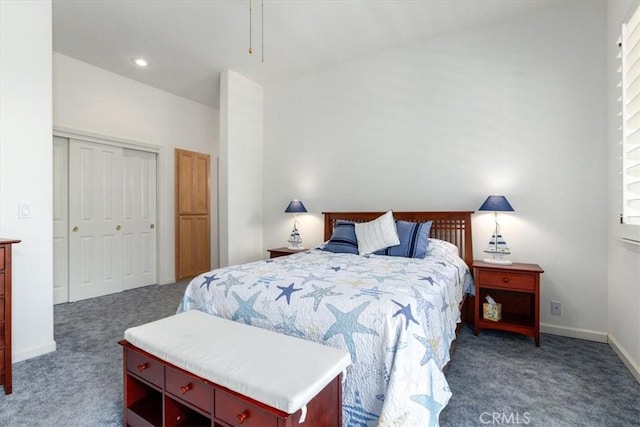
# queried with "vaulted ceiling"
point(188, 43)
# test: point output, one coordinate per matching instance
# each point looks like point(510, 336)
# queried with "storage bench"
point(197, 369)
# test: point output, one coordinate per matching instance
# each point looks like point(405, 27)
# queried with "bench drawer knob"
point(242, 417)
point(185, 388)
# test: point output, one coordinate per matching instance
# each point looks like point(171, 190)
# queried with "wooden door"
point(193, 217)
point(139, 218)
point(95, 220)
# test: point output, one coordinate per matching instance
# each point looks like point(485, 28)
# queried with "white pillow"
point(377, 234)
point(440, 248)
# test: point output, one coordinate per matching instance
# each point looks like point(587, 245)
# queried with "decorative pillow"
point(343, 239)
point(414, 237)
point(441, 248)
point(377, 234)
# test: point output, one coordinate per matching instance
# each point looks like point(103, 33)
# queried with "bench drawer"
point(189, 389)
point(2, 258)
point(239, 413)
point(145, 367)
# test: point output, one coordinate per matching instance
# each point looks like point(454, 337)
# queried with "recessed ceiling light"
point(141, 62)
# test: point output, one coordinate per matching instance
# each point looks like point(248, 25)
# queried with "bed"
point(396, 315)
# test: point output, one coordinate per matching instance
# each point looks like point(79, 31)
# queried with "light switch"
point(24, 210)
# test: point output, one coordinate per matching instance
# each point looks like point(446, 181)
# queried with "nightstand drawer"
point(506, 280)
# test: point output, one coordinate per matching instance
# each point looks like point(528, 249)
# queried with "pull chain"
point(261, 28)
point(250, 27)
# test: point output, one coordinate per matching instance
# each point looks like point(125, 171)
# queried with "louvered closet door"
point(139, 219)
point(95, 219)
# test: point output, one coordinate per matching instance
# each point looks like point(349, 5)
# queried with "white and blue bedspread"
point(396, 316)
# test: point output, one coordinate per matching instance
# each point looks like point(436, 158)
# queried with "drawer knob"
point(505, 279)
point(242, 417)
point(142, 366)
point(185, 388)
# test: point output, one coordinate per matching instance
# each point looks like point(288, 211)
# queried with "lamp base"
point(499, 261)
point(296, 248)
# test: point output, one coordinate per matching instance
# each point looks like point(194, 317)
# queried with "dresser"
point(5, 313)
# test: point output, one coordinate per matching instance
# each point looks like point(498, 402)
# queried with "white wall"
point(624, 259)
point(90, 99)
point(241, 177)
point(25, 169)
point(515, 107)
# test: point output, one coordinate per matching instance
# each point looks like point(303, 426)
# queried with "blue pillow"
point(414, 237)
point(343, 239)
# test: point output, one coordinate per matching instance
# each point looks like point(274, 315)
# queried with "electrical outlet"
point(556, 308)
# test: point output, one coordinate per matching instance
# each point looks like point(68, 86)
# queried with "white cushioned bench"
point(276, 370)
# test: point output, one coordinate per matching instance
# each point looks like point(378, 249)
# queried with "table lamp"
point(497, 246)
point(295, 207)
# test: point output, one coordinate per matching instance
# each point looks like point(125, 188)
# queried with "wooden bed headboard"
point(454, 226)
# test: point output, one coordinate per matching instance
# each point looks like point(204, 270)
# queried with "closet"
point(104, 218)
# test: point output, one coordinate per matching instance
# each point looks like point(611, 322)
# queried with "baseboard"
point(34, 352)
point(168, 281)
point(583, 334)
point(633, 367)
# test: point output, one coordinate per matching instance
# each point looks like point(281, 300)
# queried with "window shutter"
point(630, 55)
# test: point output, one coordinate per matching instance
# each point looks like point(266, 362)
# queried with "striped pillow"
point(414, 237)
point(343, 239)
point(377, 234)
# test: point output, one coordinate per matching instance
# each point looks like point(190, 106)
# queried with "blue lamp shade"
point(496, 204)
point(295, 206)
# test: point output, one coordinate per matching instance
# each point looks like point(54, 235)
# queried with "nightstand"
point(517, 288)
point(283, 251)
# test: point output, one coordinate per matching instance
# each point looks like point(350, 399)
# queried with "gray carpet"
point(564, 382)
point(496, 378)
point(80, 384)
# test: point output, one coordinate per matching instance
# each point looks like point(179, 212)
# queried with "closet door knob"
point(152, 226)
point(75, 229)
point(118, 227)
